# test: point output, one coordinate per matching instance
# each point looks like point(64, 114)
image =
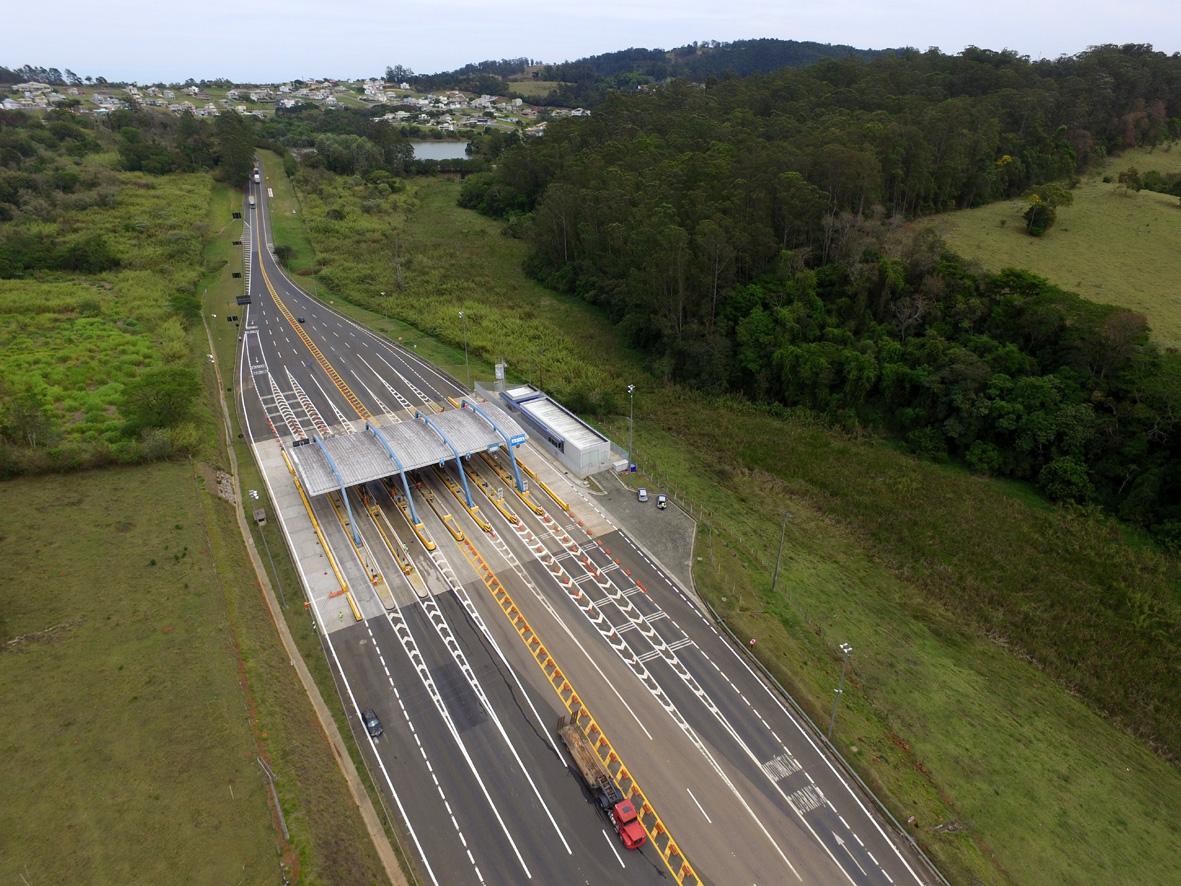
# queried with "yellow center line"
point(340, 383)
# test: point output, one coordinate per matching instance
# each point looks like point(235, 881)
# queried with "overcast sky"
point(268, 40)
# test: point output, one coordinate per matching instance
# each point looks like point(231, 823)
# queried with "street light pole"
point(467, 364)
point(779, 556)
point(846, 651)
point(631, 422)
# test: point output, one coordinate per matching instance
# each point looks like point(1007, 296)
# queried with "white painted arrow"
point(849, 852)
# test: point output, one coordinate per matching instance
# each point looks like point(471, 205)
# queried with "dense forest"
point(749, 234)
point(587, 81)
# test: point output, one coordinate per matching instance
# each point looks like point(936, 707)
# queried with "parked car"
point(662, 502)
point(372, 722)
point(642, 495)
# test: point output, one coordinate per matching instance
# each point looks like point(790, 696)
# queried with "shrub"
point(1065, 479)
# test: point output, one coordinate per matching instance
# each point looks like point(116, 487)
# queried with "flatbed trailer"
point(619, 810)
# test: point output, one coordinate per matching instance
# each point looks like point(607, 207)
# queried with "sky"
point(268, 40)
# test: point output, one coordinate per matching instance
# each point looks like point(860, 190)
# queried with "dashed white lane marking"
point(693, 608)
point(422, 750)
point(614, 851)
point(699, 806)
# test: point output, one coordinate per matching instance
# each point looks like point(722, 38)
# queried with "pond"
point(433, 150)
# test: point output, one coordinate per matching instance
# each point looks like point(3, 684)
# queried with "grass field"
point(932, 574)
point(1110, 245)
point(150, 676)
point(530, 88)
point(128, 753)
point(76, 339)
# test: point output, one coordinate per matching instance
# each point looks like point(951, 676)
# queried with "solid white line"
point(699, 806)
point(444, 713)
point(352, 698)
point(614, 851)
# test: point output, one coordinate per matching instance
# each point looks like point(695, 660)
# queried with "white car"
point(642, 495)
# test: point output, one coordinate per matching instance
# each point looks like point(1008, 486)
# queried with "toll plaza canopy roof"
point(357, 452)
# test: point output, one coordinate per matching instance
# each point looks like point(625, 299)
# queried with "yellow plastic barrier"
point(662, 839)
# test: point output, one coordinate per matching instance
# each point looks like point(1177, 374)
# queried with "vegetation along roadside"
point(961, 716)
point(128, 594)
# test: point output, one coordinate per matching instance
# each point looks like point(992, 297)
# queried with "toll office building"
point(578, 446)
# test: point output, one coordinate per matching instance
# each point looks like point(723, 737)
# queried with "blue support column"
point(389, 450)
point(344, 493)
point(510, 443)
point(426, 420)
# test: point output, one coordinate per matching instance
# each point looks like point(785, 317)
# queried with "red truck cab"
point(627, 825)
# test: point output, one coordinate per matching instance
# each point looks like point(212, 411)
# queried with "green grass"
point(128, 756)
point(963, 596)
point(530, 88)
point(286, 223)
point(77, 339)
point(1110, 245)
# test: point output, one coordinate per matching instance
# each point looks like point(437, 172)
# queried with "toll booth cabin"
point(582, 449)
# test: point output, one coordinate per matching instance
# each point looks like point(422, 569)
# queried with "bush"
point(1065, 479)
point(159, 398)
point(927, 443)
point(984, 458)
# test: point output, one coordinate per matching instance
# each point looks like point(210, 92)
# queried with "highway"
point(444, 643)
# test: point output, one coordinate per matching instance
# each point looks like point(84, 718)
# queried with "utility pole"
point(466, 363)
point(779, 556)
point(846, 651)
point(631, 422)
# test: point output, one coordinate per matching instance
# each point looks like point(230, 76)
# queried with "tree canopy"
point(748, 233)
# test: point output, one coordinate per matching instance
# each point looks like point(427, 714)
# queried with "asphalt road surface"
point(470, 760)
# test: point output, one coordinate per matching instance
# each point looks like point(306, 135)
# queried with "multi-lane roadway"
point(471, 651)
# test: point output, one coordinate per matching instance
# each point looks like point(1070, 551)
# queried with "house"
point(191, 90)
point(535, 131)
point(32, 87)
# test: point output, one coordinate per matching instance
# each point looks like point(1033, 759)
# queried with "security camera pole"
point(631, 421)
point(466, 363)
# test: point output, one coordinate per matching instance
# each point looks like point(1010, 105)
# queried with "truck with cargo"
point(619, 810)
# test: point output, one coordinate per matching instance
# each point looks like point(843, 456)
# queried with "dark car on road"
point(372, 723)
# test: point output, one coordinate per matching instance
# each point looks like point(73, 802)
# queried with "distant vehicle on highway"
point(662, 501)
point(300, 319)
point(372, 722)
point(251, 201)
point(642, 495)
point(257, 176)
point(619, 810)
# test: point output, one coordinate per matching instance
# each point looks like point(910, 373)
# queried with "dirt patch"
point(217, 482)
point(47, 635)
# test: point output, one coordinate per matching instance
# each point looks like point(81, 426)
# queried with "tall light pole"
point(779, 556)
point(467, 364)
point(631, 423)
point(846, 651)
